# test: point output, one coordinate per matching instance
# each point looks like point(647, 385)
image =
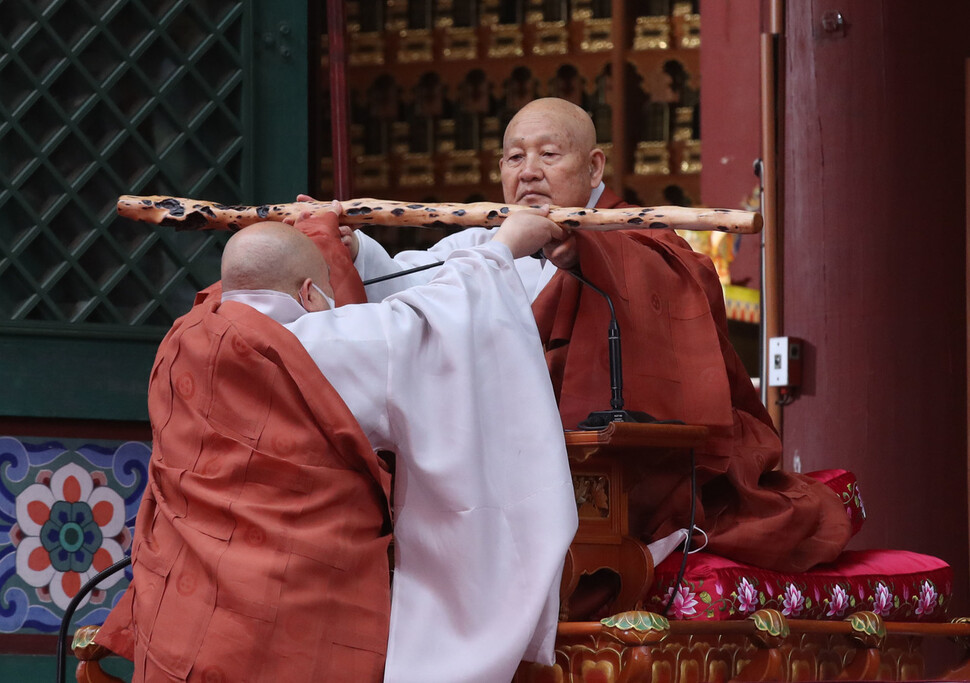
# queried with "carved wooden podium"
point(604, 465)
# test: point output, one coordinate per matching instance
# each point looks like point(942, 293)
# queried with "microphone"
point(599, 419)
point(400, 273)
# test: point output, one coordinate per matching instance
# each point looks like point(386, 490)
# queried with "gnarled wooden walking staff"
point(194, 214)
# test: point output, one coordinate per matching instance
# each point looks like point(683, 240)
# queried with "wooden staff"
point(192, 214)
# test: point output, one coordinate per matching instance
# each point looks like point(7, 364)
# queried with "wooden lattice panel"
point(99, 99)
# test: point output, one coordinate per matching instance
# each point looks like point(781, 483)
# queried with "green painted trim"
point(280, 101)
point(42, 668)
point(78, 378)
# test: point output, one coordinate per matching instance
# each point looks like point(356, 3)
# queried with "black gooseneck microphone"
point(400, 273)
point(599, 419)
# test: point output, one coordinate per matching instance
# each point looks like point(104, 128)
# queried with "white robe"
point(451, 377)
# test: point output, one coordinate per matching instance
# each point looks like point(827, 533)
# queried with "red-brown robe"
point(261, 543)
point(678, 364)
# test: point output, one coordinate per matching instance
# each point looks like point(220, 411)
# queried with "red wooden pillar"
point(874, 262)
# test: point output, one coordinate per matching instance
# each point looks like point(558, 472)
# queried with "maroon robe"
point(678, 364)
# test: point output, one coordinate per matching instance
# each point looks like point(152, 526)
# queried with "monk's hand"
point(526, 232)
point(563, 253)
point(348, 237)
point(306, 198)
point(300, 215)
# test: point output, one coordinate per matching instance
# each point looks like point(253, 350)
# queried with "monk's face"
point(548, 158)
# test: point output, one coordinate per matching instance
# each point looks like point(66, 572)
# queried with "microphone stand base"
point(599, 419)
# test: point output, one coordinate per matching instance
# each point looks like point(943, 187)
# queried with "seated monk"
point(260, 549)
point(678, 362)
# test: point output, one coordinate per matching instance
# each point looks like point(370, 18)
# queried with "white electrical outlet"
point(784, 362)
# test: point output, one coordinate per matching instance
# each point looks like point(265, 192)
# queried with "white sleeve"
point(484, 503)
point(348, 345)
point(373, 260)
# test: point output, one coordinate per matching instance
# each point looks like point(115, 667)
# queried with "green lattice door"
point(100, 98)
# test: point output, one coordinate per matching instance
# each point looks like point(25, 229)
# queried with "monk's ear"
point(304, 293)
point(597, 162)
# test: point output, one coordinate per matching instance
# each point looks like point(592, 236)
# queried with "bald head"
point(560, 117)
point(549, 155)
point(273, 256)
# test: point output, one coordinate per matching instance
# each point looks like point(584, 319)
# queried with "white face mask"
point(330, 301)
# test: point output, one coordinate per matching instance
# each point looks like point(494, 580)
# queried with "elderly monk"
point(261, 544)
point(678, 362)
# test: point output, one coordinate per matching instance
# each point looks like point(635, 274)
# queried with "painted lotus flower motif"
point(838, 601)
point(684, 602)
point(882, 601)
point(71, 536)
point(69, 527)
point(859, 502)
point(747, 596)
point(927, 599)
point(792, 601)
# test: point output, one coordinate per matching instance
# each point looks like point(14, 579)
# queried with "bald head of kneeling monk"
point(275, 256)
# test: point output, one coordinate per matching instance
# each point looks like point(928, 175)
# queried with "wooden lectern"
point(604, 466)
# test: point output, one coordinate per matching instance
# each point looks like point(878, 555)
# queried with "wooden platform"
point(643, 647)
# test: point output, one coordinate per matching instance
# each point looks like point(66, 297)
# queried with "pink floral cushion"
point(897, 584)
point(844, 483)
